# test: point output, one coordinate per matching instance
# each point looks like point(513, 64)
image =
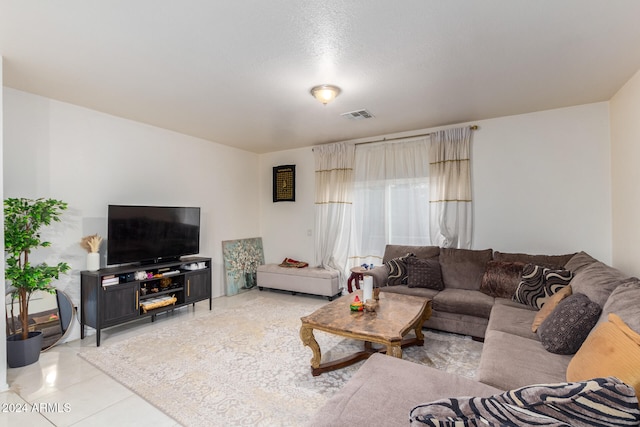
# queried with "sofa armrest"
point(379, 274)
point(384, 389)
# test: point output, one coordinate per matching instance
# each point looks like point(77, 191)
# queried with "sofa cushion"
point(457, 323)
point(462, 301)
point(624, 301)
point(396, 251)
point(539, 283)
point(579, 261)
point(597, 280)
point(501, 278)
point(566, 328)
point(424, 273)
point(513, 318)
point(549, 306)
point(613, 349)
point(398, 270)
point(607, 400)
point(510, 361)
point(463, 268)
point(549, 261)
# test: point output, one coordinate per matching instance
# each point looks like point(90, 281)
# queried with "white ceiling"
point(238, 72)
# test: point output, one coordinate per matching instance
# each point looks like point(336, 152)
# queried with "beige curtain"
point(451, 215)
point(333, 202)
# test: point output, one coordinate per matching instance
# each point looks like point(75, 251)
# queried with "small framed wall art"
point(284, 183)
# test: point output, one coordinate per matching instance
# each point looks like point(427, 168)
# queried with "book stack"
point(110, 280)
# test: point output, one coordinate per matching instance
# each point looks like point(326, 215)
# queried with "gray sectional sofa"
point(461, 307)
point(384, 390)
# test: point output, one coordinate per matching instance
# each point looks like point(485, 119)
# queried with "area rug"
point(247, 366)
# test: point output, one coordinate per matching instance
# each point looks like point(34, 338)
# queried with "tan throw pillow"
point(549, 306)
point(612, 349)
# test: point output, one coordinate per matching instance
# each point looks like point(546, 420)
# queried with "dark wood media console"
point(112, 296)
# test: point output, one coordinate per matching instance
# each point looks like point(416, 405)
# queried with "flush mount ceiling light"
point(325, 93)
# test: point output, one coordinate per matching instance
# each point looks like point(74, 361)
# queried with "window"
point(390, 200)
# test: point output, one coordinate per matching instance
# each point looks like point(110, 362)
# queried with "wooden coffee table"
point(395, 316)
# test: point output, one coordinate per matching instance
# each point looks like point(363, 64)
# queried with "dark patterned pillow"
point(539, 283)
point(607, 400)
point(424, 273)
point(554, 280)
point(501, 278)
point(566, 328)
point(398, 270)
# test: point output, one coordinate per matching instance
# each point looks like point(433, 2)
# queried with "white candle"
point(367, 288)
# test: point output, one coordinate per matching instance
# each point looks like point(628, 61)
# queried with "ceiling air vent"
point(357, 115)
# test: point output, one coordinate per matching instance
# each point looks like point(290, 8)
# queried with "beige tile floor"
point(71, 392)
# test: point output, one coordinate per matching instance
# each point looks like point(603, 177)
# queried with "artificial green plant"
point(23, 221)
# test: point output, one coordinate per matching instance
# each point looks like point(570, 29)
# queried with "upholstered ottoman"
point(308, 280)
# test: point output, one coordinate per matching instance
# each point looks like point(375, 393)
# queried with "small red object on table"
point(356, 305)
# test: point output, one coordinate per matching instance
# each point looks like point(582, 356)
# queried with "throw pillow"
point(463, 268)
point(607, 400)
point(556, 279)
point(549, 306)
point(398, 270)
point(613, 348)
point(531, 285)
point(539, 283)
point(566, 328)
point(501, 278)
point(424, 273)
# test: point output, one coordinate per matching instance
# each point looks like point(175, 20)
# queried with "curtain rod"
point(474, 127)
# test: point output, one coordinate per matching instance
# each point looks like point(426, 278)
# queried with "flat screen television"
point(151, 234)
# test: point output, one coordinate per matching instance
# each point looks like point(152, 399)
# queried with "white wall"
point(287, 227)
point(542, 184)
point(625, 153)
point(3, 333)
point(91, 160)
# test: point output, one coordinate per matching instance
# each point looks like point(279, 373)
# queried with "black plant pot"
point(23, 352)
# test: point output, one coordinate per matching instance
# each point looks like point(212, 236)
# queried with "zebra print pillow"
point(600, 401)
point(398, 270)
point(539, 283)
